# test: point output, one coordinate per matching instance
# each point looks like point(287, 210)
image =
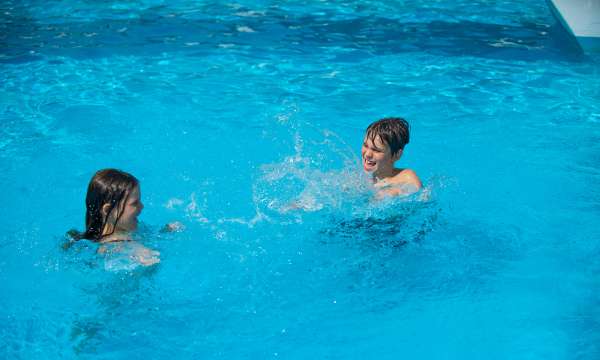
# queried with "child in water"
point(112, 208)
point(382, 146)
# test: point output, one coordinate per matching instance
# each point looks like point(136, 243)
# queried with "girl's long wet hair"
point(108, 186)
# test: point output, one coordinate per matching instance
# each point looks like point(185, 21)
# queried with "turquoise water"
point(227, 112)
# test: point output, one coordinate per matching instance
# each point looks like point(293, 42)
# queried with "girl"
point(112, 208)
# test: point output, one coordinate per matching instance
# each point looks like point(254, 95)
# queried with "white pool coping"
point(581, 18)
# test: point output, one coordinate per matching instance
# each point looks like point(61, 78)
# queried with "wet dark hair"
point(394, 131)
point(108, 186)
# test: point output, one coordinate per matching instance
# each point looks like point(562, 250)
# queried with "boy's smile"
point(377, 157)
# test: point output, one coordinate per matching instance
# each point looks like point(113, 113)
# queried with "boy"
point(382, 147)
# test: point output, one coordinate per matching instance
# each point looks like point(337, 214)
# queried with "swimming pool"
point(227, 112)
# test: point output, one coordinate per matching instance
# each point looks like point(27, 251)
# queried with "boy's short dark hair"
point(393, 131)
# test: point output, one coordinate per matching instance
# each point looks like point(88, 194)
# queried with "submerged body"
point(126, 250)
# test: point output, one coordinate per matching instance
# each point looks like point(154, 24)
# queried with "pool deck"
point(581, 18)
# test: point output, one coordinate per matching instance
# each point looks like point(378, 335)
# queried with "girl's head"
point(112, 204)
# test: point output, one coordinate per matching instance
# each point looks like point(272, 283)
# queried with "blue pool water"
point(227, 112)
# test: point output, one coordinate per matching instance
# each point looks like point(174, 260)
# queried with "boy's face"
point(377, 156)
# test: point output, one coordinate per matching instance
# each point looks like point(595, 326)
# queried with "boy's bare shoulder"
point(405, 182)
point(408, 177)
